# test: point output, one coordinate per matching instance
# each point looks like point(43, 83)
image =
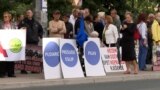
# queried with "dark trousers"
point(6, 68)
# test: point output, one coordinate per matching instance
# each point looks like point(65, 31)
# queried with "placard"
point(110, 60)
point(51, 58)
point(70, 62)
point(92, 57)
point(12, 44)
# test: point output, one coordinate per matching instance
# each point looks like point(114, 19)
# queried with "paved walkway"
point(32, 80)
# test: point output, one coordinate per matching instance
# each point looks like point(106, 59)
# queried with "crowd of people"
point(110, 29)
point(34, 33)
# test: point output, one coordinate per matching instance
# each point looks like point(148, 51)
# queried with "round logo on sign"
point(69, 55)
point(15, 45)
point(92, 53)
point(51, 54)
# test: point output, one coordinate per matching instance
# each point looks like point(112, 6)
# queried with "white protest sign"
point(110, 60)
point(70, 62)
point(92, 57)
point(51, 58)
point(12, 45)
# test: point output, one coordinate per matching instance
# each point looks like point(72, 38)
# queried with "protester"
point(20, 18)
point(57, 27)
point(33, 28)
point(89, 25)
point(116, 18)
point(7, 67)
point(86, 12)
point(143, 42)
point(73, 18)
point(117, 23)
point(127, 43)
point(101, 15)
point(98, 26)
point(150, 20)
point(156, 29)
point(110, 32)
point(77, 23)
point(69, 27)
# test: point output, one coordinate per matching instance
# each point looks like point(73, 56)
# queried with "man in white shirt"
point(73, 18)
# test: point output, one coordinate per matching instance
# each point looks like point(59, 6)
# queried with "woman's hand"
point(124, 27)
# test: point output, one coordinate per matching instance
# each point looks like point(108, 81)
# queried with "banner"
point(70, 62)
point(92, 56)
point(12, 44)
point(33, 59)
point(110, 60)
point(51, 58)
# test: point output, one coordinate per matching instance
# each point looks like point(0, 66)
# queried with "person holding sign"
point(34, 30)
point(127, 43)
point(7, 67)
point(57, 27)
point(110, 32)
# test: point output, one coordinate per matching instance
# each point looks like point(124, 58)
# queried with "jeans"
point(142, 55)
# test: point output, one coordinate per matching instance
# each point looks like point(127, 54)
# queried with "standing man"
point(57, 27)
point(73, 18)
point(69, 27)
point(34, 29)
point(116, 18)
point(117, 23)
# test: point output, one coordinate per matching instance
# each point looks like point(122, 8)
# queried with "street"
point(125, 85)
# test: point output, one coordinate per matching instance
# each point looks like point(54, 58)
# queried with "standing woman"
point(7, 67)
point(143, 42)
point(110, 32)
point(127, 42)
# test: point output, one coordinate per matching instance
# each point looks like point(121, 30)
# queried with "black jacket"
point(34, 30)
point(69, 28)
point(98, 26)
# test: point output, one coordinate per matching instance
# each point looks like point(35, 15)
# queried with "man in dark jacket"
point(69, 27)
point(34, 29)
point(98, 26)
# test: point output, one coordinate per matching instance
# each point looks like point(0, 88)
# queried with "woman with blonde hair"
point(110, 32)
point(7, 67)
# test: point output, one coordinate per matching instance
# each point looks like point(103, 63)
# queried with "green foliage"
point(65, 6)
point(15, 6)
point(136, 6)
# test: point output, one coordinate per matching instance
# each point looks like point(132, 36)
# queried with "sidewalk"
point(35, 80)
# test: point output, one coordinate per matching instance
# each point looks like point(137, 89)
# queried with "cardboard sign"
point(33, 59)
point(51, 58)
point(12, 45)
point(110, 60)
point(92, 57)
point(70, 62)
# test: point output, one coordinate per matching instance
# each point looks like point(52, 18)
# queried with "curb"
point(88, 80)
